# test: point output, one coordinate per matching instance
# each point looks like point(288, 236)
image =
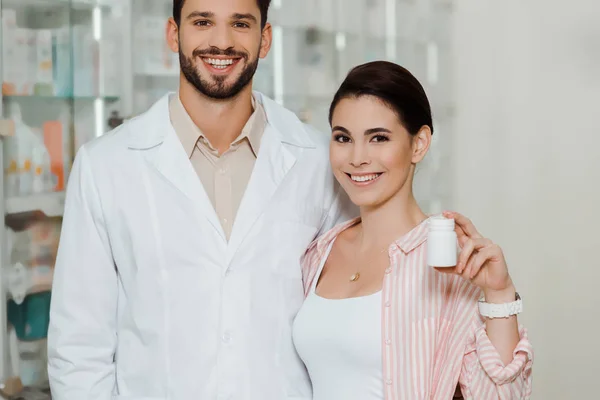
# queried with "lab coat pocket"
point(296, 211)
point(293, 226)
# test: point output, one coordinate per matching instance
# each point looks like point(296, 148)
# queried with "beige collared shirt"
point(224, 177)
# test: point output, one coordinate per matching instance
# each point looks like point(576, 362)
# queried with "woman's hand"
point(480, 260)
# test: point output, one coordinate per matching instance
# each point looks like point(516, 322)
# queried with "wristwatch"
point(505, 310)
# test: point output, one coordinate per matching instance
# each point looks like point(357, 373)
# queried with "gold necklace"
point(356, 276)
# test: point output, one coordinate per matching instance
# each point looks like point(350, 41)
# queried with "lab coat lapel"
point(274, 161)
point(155, 136)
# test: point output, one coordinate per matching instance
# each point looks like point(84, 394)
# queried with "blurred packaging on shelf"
point(29, 283)
point(32, 256)
point(33, 157)
point(66, 61)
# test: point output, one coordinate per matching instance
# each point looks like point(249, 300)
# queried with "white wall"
point(527, 164)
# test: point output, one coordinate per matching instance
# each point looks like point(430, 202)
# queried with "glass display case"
point(71, 70)
point(322, 40)
point(62, 85)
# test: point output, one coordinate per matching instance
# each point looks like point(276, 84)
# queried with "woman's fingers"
point(464, 223)
point(483, 256)
point(477, 261)
point(470, 246)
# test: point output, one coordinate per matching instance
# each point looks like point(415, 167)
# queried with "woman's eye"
point(341, 138)
point(380, 138)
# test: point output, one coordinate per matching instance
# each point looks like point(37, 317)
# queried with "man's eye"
point(202, 23)
point(241, 25)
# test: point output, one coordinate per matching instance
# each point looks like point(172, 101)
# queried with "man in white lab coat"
point(178, 271)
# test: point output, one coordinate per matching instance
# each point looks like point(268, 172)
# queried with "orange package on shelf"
point(53, 140)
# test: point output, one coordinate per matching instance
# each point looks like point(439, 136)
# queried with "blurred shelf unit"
point(50, 204)
point(43, 5)
point(59, 99)
point(65, 67)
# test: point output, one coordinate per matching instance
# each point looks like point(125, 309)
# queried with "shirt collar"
point(189, 133)
point(414, 238)
point(255, 127)
point(407, 242)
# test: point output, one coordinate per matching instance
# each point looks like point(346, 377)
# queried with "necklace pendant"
point(355, 277)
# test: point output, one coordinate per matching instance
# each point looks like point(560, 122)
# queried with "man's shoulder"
point(141, 131)
point(109, 143)
point(289, 125)
point(318, 137)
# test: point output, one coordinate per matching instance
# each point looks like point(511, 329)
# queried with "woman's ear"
point(421, 143)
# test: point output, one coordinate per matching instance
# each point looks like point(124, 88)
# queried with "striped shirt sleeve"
point(484, 375)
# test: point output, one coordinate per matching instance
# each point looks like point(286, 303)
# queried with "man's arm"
point(83, 313)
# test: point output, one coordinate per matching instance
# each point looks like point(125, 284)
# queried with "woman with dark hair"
point(378, 323)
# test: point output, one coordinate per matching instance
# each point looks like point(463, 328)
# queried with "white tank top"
point(340, 344)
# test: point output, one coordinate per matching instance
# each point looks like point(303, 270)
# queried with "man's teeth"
point(219, 64)
point(364, 178)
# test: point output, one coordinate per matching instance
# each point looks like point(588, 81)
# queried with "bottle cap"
point(441, 223)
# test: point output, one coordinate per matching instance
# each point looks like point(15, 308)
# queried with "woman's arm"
point(498, 357)
point(503, 332)
point(484, 375)
point(482, 263)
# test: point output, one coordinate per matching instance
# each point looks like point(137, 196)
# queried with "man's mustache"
point(218, 52)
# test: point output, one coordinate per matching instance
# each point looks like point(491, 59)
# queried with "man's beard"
point(218, 88)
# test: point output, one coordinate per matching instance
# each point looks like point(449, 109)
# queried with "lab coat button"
point(226, 337)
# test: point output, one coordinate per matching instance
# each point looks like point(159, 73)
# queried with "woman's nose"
point(360, 157)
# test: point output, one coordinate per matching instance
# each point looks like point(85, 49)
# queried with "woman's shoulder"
point(321, 243)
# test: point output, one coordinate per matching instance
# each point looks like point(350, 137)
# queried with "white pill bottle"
point(441, 242)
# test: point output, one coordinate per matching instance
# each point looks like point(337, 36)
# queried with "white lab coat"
point(150, 300)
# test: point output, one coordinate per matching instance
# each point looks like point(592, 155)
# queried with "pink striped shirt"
point(432, 333)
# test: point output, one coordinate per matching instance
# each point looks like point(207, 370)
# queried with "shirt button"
point(223, 170)
point(388, 270)
point(388, 342)
point(388, 382)
point(387, 304)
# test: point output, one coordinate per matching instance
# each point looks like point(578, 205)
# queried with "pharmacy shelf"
point(158, 74)
point(23, 281)
point(52, 4)
point(107, 99)
point(49, 204)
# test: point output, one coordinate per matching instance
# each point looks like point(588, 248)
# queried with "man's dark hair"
point(262, 4)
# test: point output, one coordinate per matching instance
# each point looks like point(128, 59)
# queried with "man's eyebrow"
point(245, 16)
point(203, 14)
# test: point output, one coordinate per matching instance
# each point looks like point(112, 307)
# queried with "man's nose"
point(221, 38)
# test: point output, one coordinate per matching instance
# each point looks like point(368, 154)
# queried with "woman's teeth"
point(364, 178)
point(219, 64)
